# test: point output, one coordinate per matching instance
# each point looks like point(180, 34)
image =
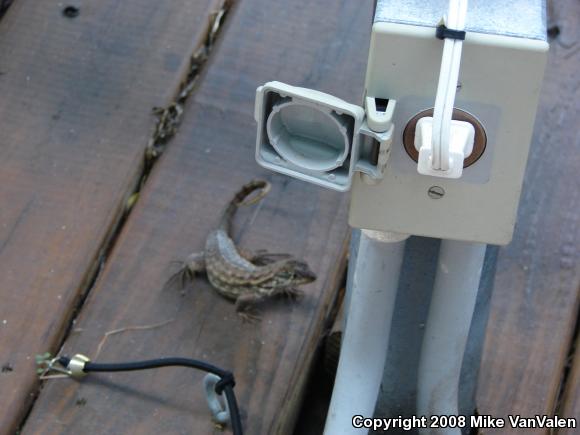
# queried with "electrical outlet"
point(502, 66)
point(500, 80)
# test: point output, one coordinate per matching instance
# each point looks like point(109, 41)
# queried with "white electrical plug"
point(441, 125)
point(461, 140)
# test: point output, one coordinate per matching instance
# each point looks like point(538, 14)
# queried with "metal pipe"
point(446, 330)
point(365, 340)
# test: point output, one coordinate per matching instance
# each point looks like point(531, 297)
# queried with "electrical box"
point(371, 150)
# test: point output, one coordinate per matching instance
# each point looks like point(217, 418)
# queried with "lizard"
point(237, 275)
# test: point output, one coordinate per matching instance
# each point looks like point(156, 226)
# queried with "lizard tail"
point(241, 198)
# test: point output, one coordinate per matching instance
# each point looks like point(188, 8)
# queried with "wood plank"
point(75, 117)
point(570, 407)
point(315, 44)
point(536, 297)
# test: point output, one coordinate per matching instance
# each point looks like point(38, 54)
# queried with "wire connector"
point(76, 366)
point(61, 366)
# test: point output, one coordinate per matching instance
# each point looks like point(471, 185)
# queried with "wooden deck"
point(535, 305)
point(83, 254)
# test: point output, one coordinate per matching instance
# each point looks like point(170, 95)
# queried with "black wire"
point(234, 411)
point(224, 385)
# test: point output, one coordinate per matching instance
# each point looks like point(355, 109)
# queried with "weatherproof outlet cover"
point(307, 134)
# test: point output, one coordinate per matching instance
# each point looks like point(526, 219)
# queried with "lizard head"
point(295, 272)
point(300, 273)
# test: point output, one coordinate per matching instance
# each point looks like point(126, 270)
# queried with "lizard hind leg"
point(261, 257)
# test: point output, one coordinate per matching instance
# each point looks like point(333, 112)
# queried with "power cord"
point(79, 366)
point(447, 85)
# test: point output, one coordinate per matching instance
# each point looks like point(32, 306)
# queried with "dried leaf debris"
point(169, 117)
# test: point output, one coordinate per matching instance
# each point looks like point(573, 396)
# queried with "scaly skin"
point(241, 277)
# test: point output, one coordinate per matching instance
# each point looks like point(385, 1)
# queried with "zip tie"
point(444, 32)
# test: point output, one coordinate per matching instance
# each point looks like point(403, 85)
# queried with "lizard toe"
point(293, 293)
point(252, 317)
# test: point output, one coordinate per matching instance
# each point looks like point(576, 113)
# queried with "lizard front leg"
point(291, 293)
point(194, 263)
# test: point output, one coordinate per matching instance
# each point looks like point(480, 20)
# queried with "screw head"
point(71, 11)
point(436, 192)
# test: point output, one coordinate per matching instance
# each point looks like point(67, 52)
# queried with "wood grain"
point(75, 117)
point(536, 297)
point(316, 44)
